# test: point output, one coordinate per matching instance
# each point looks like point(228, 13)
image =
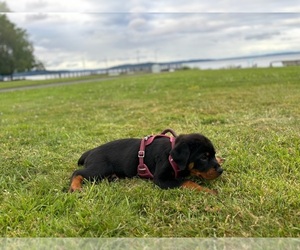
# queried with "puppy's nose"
point(220, 170)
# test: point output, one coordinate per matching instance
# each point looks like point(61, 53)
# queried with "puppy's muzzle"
point(219, 170)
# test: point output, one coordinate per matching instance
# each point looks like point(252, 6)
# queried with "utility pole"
point(138, 56)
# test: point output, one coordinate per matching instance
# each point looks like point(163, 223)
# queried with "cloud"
point(36, 17)
point(137, 24)
point(262, 36)
point(167, 6)
point(37, 5)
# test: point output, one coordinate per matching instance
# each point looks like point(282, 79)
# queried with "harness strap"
point(142, 169)
point(171, 160)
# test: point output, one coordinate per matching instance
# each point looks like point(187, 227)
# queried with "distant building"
point(291, 63)
point(156, 68)
point(146, 67)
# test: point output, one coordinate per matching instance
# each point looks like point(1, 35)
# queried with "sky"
point(95, 34)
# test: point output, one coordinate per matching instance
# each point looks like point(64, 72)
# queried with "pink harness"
point(143, 170)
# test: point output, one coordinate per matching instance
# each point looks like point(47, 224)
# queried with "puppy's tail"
point(82, 158)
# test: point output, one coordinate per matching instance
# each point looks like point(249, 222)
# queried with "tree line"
point(16, 51)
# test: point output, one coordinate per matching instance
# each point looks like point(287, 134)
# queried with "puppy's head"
point(195, 153)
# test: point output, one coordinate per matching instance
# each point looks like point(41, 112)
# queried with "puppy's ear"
point(180, 154)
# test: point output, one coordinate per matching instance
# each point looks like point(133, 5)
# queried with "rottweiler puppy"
point(193, 155)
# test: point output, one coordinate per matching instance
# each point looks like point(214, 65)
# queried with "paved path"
point(41, 86)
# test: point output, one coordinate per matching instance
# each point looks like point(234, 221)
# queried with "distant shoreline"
point(265, 60)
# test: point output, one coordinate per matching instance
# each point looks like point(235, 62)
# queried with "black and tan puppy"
point(169, 164)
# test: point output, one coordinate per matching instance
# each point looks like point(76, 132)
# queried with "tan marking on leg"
point(76, 183)
point(194, 186)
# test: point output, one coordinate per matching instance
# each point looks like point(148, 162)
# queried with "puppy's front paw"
point(220, 160)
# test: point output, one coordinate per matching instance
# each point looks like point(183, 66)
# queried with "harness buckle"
point(142, 168)
point(141, 154)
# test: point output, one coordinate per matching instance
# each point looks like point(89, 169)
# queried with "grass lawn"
point(252, 116)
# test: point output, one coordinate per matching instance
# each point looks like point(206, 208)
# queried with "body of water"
point(247, 62)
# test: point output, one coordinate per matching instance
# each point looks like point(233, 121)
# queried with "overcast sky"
point(76, 34)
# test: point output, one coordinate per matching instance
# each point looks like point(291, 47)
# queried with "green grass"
point(252, 116)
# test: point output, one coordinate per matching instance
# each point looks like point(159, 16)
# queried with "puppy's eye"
point(204, 157)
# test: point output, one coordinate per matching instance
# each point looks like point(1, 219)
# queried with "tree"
point(3, 7)
point(16, 51)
